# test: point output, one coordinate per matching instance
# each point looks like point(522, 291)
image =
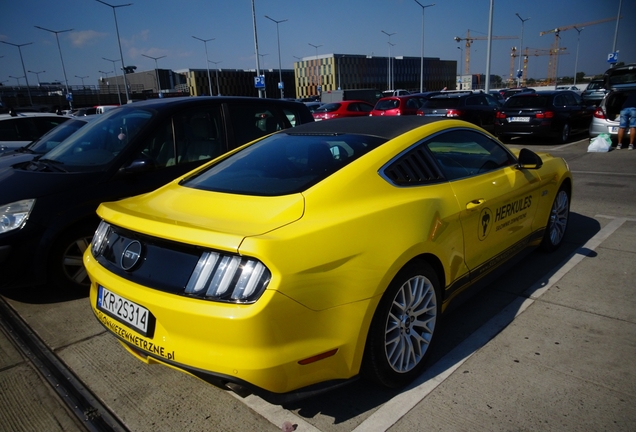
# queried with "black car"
point(45, 143)
point(554, 114)
point(47, 205)
point(476, 107)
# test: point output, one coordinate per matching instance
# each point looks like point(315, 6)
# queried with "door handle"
point(475, 203)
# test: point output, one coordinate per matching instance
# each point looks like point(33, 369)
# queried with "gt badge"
point(130, 255)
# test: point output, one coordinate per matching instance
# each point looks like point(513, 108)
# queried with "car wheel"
point(66, 266)
point(403, 327)
point(557, 221)
point(565, 133)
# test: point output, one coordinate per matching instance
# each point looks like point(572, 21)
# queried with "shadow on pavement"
point(361, 396)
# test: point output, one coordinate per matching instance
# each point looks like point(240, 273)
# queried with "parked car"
point(313, 105)
point(620, 81)
point(497, 95)
point(47, 205)
point(45, 143)
point(475, 107)
point(348, 108)
point(17, 129)
point(397, 105)
point(258, 272)
point(574, 88)
point(554, 114)
point(399, 92)
point(506, 93)
point(85, 111)
point(594, 93)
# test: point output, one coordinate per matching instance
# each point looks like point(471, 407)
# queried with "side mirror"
point(529, 160)
point(138, 165)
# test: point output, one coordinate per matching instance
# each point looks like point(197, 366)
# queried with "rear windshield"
point(328, 107)
point(595, 85)
point(387, 104)
point(283, 164)
point(527, 102)
point(442, 103)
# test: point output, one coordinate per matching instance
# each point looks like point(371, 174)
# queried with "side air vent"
point(414, 168)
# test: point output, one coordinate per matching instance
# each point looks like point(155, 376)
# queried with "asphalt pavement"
point(550, 346)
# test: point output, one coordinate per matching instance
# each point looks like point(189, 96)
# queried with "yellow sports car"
point(319, 254)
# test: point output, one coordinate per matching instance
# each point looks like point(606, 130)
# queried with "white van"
point(101, 109)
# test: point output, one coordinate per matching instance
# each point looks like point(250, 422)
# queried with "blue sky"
point(165, 28)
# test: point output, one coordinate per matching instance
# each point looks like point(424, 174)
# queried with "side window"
point(160, 147)
point(559, 101)
point(464, 153)
point(492, 102)
point(292, 117)
point(198, 135)
point(252, 121)
point(43, 125)
point(365, 108)
point(472, 100)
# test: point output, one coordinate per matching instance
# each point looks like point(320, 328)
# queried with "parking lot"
point(548, 346)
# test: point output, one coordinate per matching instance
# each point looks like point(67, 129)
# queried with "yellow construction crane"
point(469, 40)
point(554, 51)
point(536, 52)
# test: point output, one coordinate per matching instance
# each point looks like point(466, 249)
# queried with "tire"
point(557, 222)
point(66, 267)
point(403, 327)
point(565, 134)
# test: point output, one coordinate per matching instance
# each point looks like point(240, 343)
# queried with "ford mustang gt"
point(321, 253)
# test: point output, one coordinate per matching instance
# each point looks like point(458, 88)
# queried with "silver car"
point(621, 81)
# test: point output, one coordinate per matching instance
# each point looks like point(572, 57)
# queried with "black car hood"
point(17, 184)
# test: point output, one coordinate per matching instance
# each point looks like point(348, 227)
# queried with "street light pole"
point(16, 78)
point(422, 50)
point(116, 80)
point(520, 48)
point(576, 61)
point(389, 61)
point(205, 43)
point(218, 88)
point(280, 73)
point(157, 72)
point(459, 67)
point(258, 65)
point(121, 55)
point(70, 102)
point(37, 74)
point(82, 78)
point(23, 68)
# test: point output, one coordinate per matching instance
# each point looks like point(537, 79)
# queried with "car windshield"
point(442, 103)
point(527, 102)
point(328, 107)
point(283, 164)
point(55, 136)
point(595, 85)
point(101, 141)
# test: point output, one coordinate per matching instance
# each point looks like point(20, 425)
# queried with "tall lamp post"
point(422, 50)
point(156, 71)
point(318, 82)
point(116, 80)
point(207, 61)
point(16, 78)
point(459, 67)
point(82, 78)
point(23, 68)
point(121, 55)
point(37, 74)
point(576, 61)
point(280, 73)
point(520, 49)
point(70, 102)
point(218, 88)
point(389, 81)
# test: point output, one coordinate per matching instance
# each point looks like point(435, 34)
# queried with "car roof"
point(383, 127)
point(30, 114)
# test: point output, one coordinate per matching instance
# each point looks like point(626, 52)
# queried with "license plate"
point(520, 119)
point(129, 313)
point(613, 129)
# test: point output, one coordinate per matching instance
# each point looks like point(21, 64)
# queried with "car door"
point(497, 200)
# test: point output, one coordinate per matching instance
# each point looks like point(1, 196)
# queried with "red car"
point(398, 105)
point(349, 108)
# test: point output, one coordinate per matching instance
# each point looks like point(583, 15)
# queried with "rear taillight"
point(500, 115)
point(453, 113)
point(544, 115)
point(598, 113)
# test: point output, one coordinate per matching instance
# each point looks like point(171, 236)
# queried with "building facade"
point(327, 72)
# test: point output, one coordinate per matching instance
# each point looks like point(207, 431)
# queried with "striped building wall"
point(328, 72)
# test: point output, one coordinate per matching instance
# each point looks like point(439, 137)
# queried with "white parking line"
point(393, 410)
